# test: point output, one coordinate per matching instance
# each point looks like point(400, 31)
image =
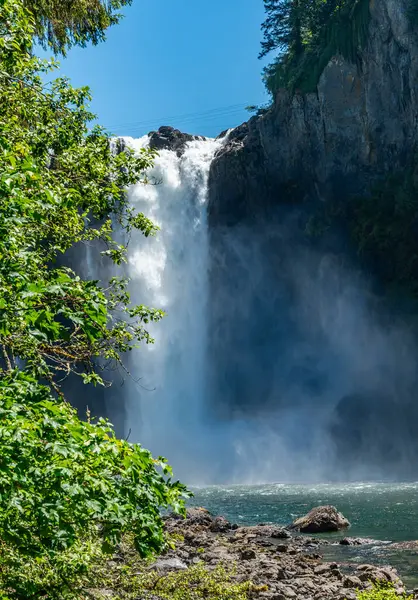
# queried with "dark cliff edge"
point(299, 320)
point(360, 125)
point(169, 138)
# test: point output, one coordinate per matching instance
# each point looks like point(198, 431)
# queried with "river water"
point(381, 511)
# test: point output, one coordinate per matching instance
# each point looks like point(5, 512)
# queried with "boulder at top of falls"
point(168, 138)
point(321, 519)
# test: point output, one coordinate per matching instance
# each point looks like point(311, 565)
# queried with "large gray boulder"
point(321, 519)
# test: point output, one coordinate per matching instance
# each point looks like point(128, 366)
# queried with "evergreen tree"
point(292, 23)
point(60, 24)
point(307, 33)
point(282, 27)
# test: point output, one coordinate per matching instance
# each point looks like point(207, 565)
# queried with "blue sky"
point(187, 63)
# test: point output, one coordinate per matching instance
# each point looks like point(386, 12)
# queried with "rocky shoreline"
point(282, 564)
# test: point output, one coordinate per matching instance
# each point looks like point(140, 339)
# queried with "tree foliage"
point(282, 29)
point(61, 24)
point(307, 33)
point(59, 184)
point(69, 489)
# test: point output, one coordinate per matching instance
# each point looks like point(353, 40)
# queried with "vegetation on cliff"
point(383, 224)
point(413, 12)
point(383, 227)
point(307, 34)
point(69, 489)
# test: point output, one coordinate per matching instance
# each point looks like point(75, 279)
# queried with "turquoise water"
point(385, 512)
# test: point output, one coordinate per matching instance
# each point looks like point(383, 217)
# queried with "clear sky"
point(172, 58)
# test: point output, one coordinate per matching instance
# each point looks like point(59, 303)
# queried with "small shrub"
point(70, 490)
point(195, 583)
point(382, 590)
point(132, 578)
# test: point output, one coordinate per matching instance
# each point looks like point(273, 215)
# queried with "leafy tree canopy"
point(69, 489)
point(61, 24)
point(306, 34)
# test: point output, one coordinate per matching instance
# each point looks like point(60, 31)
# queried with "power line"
point(186, 122)
point(184, 118)
point(184, 115)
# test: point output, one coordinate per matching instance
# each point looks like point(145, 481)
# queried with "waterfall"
point(170, 271)
point(171, 407)
point(270, 348)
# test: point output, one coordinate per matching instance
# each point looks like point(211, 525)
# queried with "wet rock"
point(312, 542)
point(168, 138)
point(248, 554)
point(404, 546)
point(351, 581)
point(220, 525)
point(321, 519)
point(373, 573)
point(279, 533)
point(198, 516)
point(348, 541)
point(223, 134)
point(169, 564)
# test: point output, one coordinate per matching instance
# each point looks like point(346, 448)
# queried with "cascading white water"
point(170, 272)
point(252, 384)
point(168, 409)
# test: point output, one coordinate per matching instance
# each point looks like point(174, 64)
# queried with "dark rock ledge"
point(168, 138)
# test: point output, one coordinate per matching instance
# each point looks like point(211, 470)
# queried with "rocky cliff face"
point(296, 323)
point(361, 123)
